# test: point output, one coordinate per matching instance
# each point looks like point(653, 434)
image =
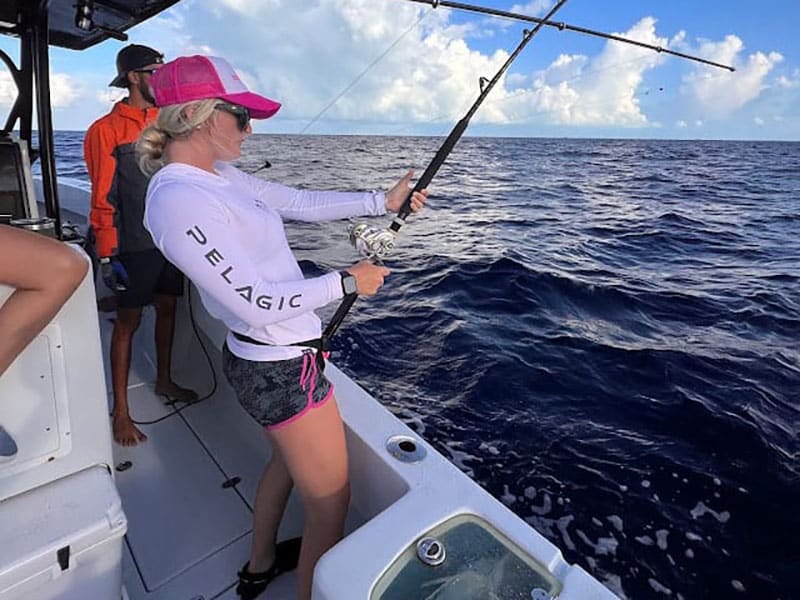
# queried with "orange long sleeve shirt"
point(118, 186)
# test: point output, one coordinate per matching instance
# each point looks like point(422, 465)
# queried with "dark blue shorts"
point(277, 393)
point(149, 273)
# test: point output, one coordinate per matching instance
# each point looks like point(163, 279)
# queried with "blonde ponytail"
point(172, 124)
point(150, 149)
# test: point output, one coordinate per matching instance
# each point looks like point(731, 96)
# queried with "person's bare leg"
point(314, 451)
point(271, 497)
point(45, 273)
point(165, 333)
point(125, 325)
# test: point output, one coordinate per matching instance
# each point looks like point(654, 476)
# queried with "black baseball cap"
point(132, 57)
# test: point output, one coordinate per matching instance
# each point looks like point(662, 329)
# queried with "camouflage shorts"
point(278, 392)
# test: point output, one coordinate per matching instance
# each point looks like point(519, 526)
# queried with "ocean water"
point(605, 334)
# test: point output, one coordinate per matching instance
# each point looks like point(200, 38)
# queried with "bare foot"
point(125, 432)
point(175, 393)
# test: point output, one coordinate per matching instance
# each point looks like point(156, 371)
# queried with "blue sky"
point(305, 54)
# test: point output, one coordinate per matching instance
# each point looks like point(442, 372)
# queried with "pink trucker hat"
point(189, 78)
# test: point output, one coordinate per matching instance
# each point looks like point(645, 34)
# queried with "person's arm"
point(308, 205)
point(45, 273)
point(193, 231)
point(98, 149)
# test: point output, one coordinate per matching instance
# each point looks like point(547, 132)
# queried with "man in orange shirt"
point(131, 265)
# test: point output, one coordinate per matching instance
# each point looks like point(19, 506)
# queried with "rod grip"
point(435, 164)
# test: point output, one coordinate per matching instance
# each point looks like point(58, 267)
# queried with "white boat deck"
point(187, 534)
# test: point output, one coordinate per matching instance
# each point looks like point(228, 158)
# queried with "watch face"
point(349, 284)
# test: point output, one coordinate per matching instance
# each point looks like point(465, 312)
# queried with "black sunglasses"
point(148, 71)
point(240, 112)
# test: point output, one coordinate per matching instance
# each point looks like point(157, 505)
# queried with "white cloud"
point(596, 91)
point(758, 121)
point(65, 90)
point(532, 9)
point(721, 94)
point(789, 82)
point(305, 54)
point(426, 76)
point(8, 91)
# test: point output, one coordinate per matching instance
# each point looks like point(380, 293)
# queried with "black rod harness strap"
point(316, 344)
point(561, 26)
point(433, 168)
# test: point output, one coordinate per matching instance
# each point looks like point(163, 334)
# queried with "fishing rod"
point(561, 26)
point(376, 244)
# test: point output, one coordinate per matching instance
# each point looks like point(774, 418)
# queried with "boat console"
point(16, 184)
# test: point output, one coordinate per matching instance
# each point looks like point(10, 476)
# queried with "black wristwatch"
point(349, 286)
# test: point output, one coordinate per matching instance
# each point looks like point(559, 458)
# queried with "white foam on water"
point(645, 540)
point(615, 521)
point(562, 525)
point(717, 481)
point(737, 585)
point(645, 483)
point(614, 583)
point(489, 448)
point(701, 509)
point(689, 553)
point(530, 492)
point(694, 537)
point(605, 546)
point(459, 457)
point(545, 508)
point(413, 419)
point(661, 538)
point(597, 521)
point(657, 587)
point(507, 498)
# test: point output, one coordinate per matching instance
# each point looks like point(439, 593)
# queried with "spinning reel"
point(371, 242)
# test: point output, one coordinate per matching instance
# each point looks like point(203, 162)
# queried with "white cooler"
point(63, 540)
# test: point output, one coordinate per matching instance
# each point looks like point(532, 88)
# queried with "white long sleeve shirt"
point(225, 232)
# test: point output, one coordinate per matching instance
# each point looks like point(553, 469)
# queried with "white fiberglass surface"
point(184, 527)
point(178, 512)
point(187, 535)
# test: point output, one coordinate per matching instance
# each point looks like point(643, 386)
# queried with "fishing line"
point(364, 72)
